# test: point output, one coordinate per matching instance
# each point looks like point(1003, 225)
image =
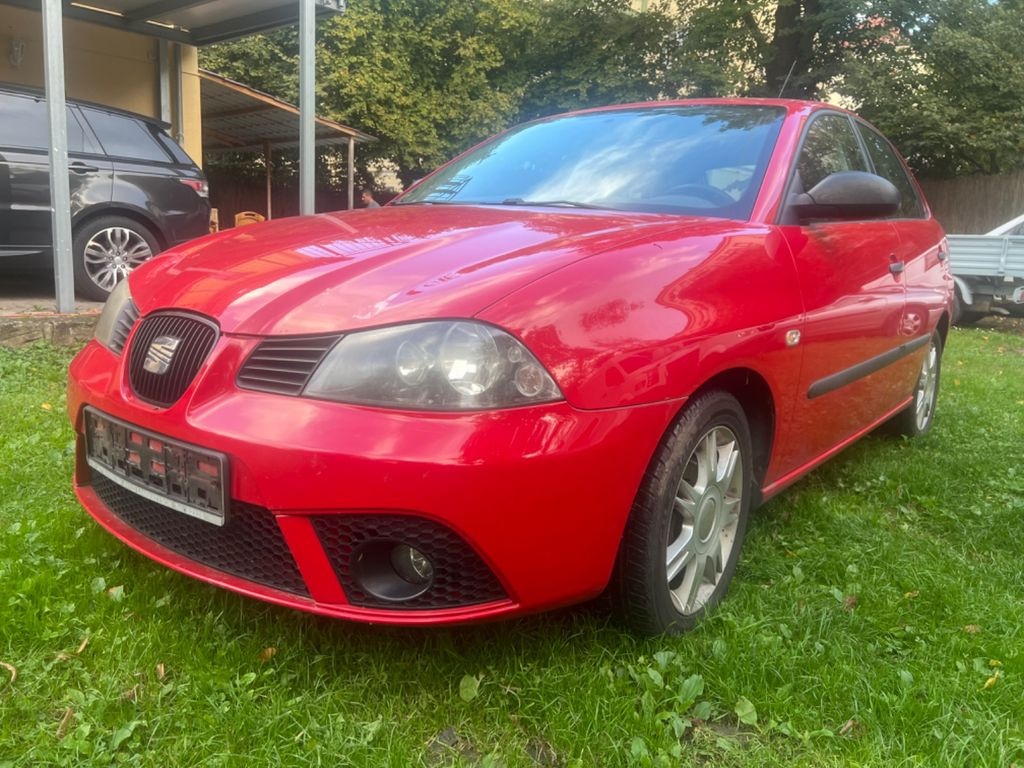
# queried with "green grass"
point(877, 619)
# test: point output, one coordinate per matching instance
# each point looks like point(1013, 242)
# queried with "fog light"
point(411, 564)
point(391, 571)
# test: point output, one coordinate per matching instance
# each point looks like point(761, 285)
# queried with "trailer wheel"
point(962, 316)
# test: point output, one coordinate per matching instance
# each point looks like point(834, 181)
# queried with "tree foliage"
point(951, 93)
point(944, 78)
point(431, 79)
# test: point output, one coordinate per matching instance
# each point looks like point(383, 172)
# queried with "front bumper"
point(538, 495)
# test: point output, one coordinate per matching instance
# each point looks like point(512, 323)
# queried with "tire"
point(105, 250)
point(687, 520)
point(916, 419)
point(962, 316)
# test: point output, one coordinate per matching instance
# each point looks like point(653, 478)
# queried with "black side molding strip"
point(866, 368)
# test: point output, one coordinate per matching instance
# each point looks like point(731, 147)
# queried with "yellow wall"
point(103, 65)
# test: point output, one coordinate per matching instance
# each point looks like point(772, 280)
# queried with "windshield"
point(704, 160)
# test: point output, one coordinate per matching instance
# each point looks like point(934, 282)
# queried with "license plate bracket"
point(184, 477)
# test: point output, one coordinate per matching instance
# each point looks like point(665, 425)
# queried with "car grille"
point(283, 366)
point(249, 545)
point(126, 319)
point(460, 576)
point(196, 337)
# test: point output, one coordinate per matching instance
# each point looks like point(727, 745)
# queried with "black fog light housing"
point(391, 570)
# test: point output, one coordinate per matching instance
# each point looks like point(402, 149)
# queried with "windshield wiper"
point(428, 202)
point(554, 203)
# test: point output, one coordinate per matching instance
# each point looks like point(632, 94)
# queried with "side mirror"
point(848, 195)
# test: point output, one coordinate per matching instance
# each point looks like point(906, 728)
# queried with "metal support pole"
point(269, 167)
point(164, 59)
point(60, 193)
point(307, 107)
point(351, 173)
point(179, 99)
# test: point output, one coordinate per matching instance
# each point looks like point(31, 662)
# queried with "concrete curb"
point(60, 330)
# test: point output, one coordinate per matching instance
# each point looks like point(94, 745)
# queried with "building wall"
point(103, 65)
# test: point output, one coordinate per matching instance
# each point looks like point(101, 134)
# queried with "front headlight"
point(437, 365)
point(118, 316)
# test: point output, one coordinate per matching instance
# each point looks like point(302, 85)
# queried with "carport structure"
point(237, 118)
point(192, 22)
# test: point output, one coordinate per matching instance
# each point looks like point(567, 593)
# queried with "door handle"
point(79, 167)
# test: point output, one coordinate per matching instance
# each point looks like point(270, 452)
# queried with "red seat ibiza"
point(572, 360)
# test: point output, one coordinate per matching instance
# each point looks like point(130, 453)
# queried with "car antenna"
point(786, 81)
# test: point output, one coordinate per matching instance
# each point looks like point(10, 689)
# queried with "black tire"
point(916, 419)
point(669, 499)
point(127, 244)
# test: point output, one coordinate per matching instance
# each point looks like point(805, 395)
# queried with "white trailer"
point(989, 272)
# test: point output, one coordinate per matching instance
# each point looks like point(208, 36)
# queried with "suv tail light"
point(201, 188)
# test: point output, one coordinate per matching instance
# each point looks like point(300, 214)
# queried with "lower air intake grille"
point(166, 353)
point(460, 576)
point(250, 545)
point(283, 366)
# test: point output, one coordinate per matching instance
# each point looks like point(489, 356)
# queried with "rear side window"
point(26, 124)
point(123, 136)
point(830, 146)
point(171, 146)
point(888, 166)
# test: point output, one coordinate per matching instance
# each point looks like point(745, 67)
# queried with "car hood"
point(372, 267)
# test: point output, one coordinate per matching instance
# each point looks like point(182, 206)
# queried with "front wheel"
point(916, 419)
point(683, 538)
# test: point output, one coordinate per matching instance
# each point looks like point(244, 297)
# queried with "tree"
point(790, 48)
point(431, 79)
point(950, 94)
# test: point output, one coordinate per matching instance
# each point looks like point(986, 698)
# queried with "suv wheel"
point(106, 250)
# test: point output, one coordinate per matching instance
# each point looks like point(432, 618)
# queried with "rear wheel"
point(106, 250)
point(916, 419)
point(963, 316)
point(683, 538)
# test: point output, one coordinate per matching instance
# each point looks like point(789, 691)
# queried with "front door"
point(853, 296)
point(25, 220)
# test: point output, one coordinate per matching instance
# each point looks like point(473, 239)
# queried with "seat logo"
point(160, 354)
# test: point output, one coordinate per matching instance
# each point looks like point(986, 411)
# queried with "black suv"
point(134, 191)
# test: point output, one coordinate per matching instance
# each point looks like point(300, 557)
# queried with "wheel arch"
point(134, 214)
point(755, 396)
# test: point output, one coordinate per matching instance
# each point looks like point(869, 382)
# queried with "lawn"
point(877, 619)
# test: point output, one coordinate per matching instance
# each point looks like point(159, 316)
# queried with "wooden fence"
point(973, 205)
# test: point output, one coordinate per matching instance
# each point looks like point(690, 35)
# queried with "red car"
point(568, 362)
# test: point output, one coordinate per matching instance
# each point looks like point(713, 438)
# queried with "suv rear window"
point(124, 136)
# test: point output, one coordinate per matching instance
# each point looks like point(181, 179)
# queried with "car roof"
point(792, 106)
point(37, 93)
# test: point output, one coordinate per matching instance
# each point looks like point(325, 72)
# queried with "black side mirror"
point(848, 195)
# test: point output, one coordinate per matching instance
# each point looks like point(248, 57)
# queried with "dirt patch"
point(1014, 325)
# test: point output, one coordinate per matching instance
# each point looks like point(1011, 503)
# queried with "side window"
point(24, 123)
point(123, 136)
point(78, 139)
point(829, 147)
point(888, 166)
point(171, 146)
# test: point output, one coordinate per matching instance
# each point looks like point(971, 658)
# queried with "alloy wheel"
point(112, 253)
point(704, 519)
point(927, 384)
